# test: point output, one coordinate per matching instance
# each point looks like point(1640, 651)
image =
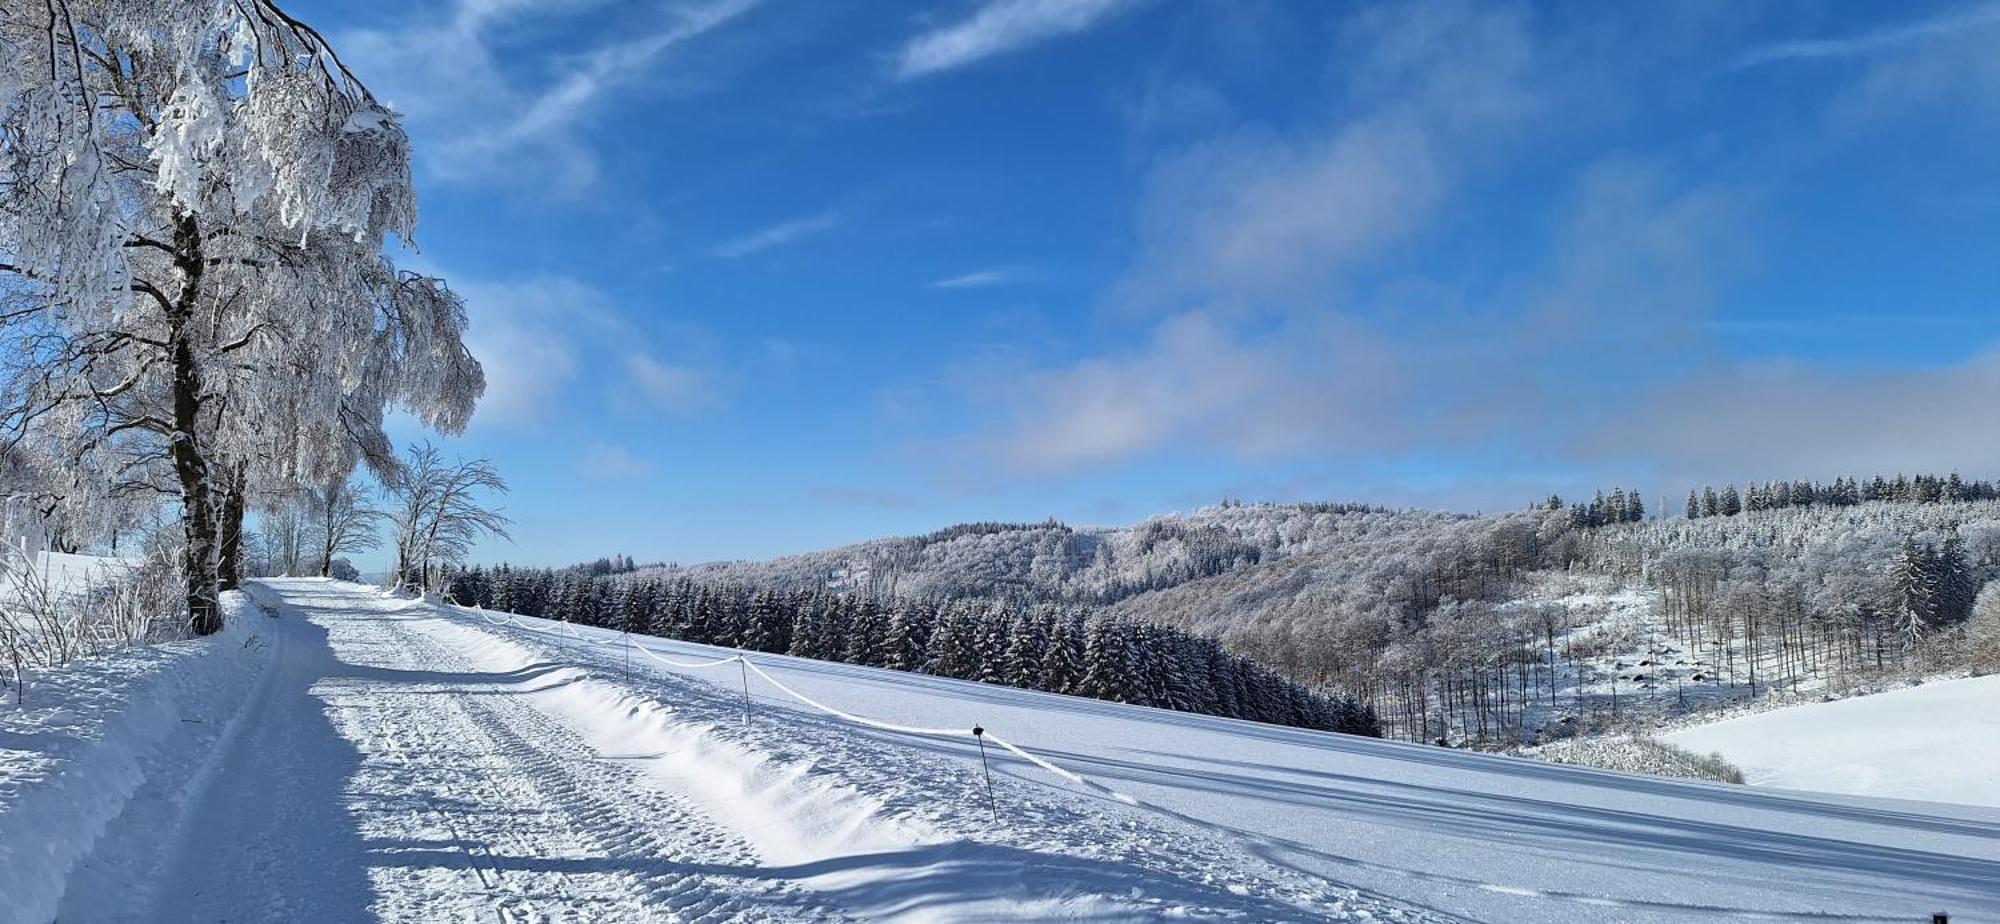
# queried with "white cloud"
point(607, 462)
point(999, 27)
point(676, 389)
point(1769, 418)
point(1199, 383)
point(526, 334)
point(1548, 356)
point(1946, 62)
point(1256, 216)
point(542, 339)
point(776, 235)
point(975, 280)
point(1875, 40)
point(480, 119)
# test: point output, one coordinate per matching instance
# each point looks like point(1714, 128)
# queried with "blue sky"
point(756, 277)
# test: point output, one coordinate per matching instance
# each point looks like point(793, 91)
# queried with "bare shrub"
point(48, 619)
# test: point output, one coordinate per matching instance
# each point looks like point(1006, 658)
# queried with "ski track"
point(397, 761)
point(455, 801)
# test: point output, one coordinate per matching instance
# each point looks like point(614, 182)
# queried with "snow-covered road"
point(381, 775)
point(396, 760)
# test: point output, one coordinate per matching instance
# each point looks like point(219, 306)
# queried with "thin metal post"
point(743, 668)
point(979, 735)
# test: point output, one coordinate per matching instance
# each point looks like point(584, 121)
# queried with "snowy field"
point(402, 761)
point(1939, 741)
point(62, 574)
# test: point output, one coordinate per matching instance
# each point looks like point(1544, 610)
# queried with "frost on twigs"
point(194, 201)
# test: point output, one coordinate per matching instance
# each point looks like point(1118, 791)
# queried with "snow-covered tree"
point(194, 199)
point(1982, 630)
point(342, 517)
point(439, 509)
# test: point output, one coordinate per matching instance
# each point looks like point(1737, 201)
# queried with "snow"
point(1939, 741)
point(65, 574)
point(109, 744)
point(420, 763)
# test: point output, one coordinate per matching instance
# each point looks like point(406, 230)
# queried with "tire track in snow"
point(670, 860)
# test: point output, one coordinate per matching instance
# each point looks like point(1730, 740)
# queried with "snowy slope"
point(1485, 837)
point(1939, 741)
point(411, 762)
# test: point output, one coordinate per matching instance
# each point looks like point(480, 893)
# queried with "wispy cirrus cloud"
point(999, 27)
point(1945, 63)
point(481, 117)
point(975, 280)
point(1875, 40)
point(776, 235)
point(1258, 215)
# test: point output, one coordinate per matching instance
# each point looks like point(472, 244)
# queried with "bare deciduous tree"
point(343, 519)
point(439, 511)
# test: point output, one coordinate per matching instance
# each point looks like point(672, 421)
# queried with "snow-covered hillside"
point(1938, 741)
point(422, 763)
point(1051, 561)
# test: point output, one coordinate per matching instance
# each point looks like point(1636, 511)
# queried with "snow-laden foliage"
point(195, 197)
point(1638, 754)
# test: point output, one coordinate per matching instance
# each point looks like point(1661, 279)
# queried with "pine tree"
point(1693, 506)
point(906, 638)
point(1956, 587)
point(760, 622)
point(1913, 590)
point(1731, 503)
point(1105, 663)
point(1027, 644)
point(1062, 663)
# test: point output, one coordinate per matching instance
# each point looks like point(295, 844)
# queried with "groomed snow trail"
point(397, 761)
point(381, 777)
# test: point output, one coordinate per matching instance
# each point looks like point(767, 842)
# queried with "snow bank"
point(1938, 742)
point(92, 736)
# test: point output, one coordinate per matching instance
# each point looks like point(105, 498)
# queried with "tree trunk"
point(197, 516)
point(334, 532)
point(229, 551)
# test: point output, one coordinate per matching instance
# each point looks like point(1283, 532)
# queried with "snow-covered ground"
point(59, 572)
point(1939, 741)
point(405, 761)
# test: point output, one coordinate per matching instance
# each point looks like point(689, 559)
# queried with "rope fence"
point(980, 734)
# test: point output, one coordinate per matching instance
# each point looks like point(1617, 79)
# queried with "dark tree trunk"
point(229, 552)
point(331, 539)
point(197, 516)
